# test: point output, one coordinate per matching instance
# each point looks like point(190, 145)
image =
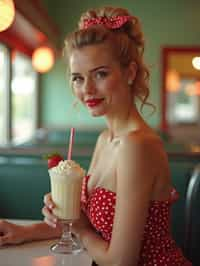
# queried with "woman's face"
point(98, 81)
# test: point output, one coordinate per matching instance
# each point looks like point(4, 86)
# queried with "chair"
point(192, 218)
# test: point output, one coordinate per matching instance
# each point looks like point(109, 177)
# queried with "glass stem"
point(66, 231)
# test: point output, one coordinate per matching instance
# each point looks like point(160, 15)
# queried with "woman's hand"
point(50, 218)
point(11, 233)
point(78, 227)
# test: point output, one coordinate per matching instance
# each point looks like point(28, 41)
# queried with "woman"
point(127, 194)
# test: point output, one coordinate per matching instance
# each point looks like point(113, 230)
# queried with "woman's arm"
point(93, 242)
point(136, 173)
point(11, 233)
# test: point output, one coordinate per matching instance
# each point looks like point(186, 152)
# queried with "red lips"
point(93, 102)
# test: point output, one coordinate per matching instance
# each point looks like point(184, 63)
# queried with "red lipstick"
point(93, 102)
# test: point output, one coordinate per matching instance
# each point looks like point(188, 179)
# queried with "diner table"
point(38, 253)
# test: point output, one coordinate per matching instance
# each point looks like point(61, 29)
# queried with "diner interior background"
point(171, 23)
point(165, 24)
point(37, 110)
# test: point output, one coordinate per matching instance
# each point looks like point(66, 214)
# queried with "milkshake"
point(66, 182)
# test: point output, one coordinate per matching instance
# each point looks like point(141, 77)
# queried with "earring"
point(130, 82)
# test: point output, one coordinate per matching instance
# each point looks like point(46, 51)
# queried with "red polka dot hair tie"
point(110, 23)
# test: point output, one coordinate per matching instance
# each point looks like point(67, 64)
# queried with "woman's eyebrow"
point(98, 68)
point(74, 74)
point(92, 70)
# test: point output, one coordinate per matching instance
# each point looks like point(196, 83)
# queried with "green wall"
point(164, 23)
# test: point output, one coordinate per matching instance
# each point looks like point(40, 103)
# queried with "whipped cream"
point(68, 169)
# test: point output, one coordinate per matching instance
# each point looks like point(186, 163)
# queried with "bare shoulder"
point(143, 149)
point(139, 141)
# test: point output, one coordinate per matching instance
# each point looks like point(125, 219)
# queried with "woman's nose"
point(89, 86)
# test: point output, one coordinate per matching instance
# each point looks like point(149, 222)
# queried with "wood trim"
point(37, 15)
point(16, 36)
point(184, 155)
point(31, 28)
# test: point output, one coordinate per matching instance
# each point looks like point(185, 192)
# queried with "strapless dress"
point(158, 247)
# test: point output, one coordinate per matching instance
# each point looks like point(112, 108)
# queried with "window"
point(181, 87)
point(24, 96)
point(4, 94)
point(18, 97)
point(183, 105)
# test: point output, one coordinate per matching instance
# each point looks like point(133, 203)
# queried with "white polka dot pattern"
point(158, 247)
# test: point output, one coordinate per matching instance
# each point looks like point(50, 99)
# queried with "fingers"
point(3, 233)
point(11, 233)
point(48, 201)
point(52, 224)
point(3, 225)
point(8, 239)
point(50, 218)
point(5, 239)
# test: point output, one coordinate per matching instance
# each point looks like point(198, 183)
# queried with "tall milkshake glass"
point(66, 182)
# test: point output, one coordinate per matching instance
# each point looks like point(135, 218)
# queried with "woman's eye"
point(101, 74)
point(77, 80)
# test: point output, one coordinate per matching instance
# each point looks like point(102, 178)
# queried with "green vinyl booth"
point(181, 170)
point(23, 183)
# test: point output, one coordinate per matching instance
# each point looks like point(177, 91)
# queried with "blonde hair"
point(127, 42)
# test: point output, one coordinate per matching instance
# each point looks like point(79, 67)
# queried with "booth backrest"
point(181, 166)
point(22, 187)
point(23, 183)
point(192, 218)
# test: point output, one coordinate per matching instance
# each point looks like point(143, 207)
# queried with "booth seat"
point(181, 174)
point(192, 218)
point(23, 183)
point(182, 165)
point(22, 186)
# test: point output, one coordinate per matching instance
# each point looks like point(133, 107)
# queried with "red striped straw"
point(71, 141)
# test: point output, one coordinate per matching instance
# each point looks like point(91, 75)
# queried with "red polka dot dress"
point(158, 246)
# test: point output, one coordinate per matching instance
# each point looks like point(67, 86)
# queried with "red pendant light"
point(43, 59)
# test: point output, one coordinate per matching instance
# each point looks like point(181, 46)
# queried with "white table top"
point(38, 253)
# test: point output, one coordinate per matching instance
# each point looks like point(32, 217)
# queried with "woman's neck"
point(126, 121)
